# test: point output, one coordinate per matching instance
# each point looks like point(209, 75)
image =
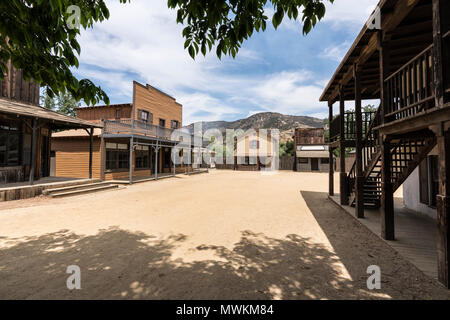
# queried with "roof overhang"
point(57, 120)
point(406, 24)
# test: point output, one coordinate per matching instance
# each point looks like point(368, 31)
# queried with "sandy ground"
point(222, 235)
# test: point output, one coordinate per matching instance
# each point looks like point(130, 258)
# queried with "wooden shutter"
point(423, 182)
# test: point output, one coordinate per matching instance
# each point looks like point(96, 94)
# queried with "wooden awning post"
point(359, 183)
point(91, 144)
point(131, 159)
point(33, 150)
point(443, 207)
point(156, 160)
point(440, 56)
point(387, 193)
point(343, 174)
point(331, 162)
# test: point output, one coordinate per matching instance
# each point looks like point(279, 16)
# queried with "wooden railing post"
point(359, 185)
point(440, 55)
point(343, 174)
point(331, 161)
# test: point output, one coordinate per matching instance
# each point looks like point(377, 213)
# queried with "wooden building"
point(137, 133)
point(253, 151)
point(311, 152)
point(26, 130)
point(401, 57)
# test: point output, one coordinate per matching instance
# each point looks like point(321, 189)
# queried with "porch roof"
point(407, 27)
point(32, 111)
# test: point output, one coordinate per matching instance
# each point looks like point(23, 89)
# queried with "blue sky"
point(278, 70)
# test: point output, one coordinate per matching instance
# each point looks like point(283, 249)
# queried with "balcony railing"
point(125, 126)
point(349, 125)
point(409, 90)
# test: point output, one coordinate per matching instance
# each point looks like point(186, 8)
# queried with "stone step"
point(75, 187)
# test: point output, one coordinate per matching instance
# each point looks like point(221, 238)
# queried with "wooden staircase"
point(406, 154)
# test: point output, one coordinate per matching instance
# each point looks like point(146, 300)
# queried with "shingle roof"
point(33, 111)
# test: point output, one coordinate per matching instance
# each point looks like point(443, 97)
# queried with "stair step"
point(75, 188)
point(84, 191)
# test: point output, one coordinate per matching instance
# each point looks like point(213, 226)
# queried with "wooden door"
point(314, 164)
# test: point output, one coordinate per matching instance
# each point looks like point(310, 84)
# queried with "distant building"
point(311, 151)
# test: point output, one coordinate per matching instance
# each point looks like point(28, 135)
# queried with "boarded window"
point(303, 160)
point(434, 179)
point(423, 182)
point(145, 116)
point(324, 160)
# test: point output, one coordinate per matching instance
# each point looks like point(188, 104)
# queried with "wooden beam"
point(33, 150)
point(343, 174)
point(331, 162)
point(359, 183)
point(91, 146)
point(443, 207)
point(387, 195)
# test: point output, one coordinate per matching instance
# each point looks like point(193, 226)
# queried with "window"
point(429, 181)
point(162, 122)
point(142, 156)
point(254, 144)
point(175, 124)
point(145, 116)
point(118, 114)
point(117, 156)
point(324, 161)
point(9, 144)
point(303, 160)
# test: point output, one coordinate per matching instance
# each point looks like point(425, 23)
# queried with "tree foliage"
point(36, 37)
point(226, 24)
point(63, 103)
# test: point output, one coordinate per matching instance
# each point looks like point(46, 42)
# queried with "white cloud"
point(142, 41)
point(336, 53)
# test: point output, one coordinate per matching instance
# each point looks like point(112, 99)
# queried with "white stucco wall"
point(411, 193)
point(411, 196)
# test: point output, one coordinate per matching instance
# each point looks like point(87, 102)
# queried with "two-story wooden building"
point(136, 140)
point(401, 57)
point(26, 130)
point(311, 152)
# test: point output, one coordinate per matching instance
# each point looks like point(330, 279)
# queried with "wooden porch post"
point(173, 158)
point(91, 143)
point(131, 159)
point(359, 183)
point(156, 160)
point(443, 208)
point(387, 194)
point(33, 151)
point(331, 162)
point(384, 63)
point(441, 9)
point(343, 173)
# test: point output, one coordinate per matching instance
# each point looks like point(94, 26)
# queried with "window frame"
point(121, 157)
point(10, 128)
point(164, 122)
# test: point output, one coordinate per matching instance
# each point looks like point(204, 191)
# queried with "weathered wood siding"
point(159, 104)
point(309, 136)
point(14, 87)
point(96, 114)
point(72, 157)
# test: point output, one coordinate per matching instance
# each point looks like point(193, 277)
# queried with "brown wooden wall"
point(15, 87)
point(72, 157)
point(309, 136)
point(96, 114)
point(159, 104)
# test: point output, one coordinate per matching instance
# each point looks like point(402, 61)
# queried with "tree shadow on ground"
point(357, 248)
point(118, 264)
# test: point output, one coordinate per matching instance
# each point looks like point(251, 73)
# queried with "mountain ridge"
point(265, 120)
